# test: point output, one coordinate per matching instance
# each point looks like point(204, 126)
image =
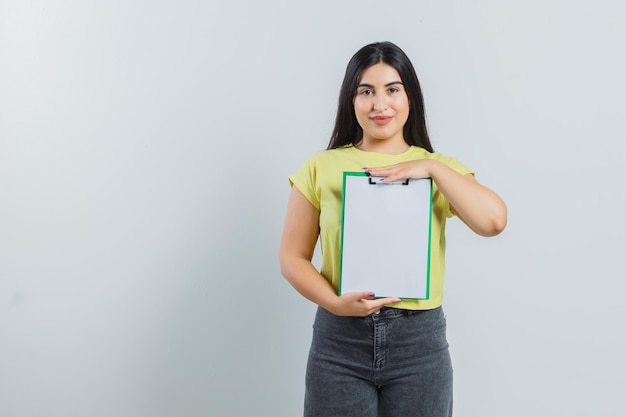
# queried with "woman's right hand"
point(360, 304)
point(296, 250)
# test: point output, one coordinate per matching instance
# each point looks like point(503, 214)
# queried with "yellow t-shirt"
point(320, 180)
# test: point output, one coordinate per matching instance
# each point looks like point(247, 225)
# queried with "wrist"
point(434, 168)
point(330, 303)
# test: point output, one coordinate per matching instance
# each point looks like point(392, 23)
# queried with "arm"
point(481, 209)
point(296, 251)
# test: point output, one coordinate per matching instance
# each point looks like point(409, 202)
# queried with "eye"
point(366, 92)
point(394, 90)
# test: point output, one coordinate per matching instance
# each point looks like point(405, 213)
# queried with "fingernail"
point(371, 295)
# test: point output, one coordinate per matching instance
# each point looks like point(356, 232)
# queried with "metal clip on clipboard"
point(376, 180)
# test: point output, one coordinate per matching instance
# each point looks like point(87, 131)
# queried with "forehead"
point(380, 73)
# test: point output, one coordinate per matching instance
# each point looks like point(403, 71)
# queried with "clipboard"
point(385, 236)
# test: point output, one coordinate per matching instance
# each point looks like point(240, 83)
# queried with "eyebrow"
point(386, 85)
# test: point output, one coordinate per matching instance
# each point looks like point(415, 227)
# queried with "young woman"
point(378, 356)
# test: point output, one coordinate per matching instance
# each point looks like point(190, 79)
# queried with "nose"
point(380, 102)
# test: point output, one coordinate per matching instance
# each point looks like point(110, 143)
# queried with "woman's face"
point(381, 105)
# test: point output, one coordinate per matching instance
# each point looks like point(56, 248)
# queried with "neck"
point(394, 148)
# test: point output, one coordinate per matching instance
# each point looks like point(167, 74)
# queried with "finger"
point(375, 305)
point(391, 177)
point(378, 169)
point(388, 300)
point(359, 295)
point(367, 295)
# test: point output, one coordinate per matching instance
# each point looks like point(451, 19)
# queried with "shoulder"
point(334, 153)
point(327, 156)
point(320, 162)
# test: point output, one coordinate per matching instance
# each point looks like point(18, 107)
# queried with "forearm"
point(296, 251)
point(303, 276)
point(478, 206)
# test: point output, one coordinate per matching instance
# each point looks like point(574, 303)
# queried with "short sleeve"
point(459, 167)
point(305, 180)
point(456, 165)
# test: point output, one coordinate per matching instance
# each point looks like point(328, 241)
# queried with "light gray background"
point(144, 149)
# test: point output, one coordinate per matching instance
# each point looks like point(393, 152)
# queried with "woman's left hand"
point(420, 168)
point(476, 205)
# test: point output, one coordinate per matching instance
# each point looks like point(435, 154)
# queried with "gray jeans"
point(394, 363)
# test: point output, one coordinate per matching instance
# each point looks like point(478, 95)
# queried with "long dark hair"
point(347, 130)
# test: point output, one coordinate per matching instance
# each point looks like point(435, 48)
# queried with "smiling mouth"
point(381, 120)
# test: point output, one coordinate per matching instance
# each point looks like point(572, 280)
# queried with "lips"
point(381, 120)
